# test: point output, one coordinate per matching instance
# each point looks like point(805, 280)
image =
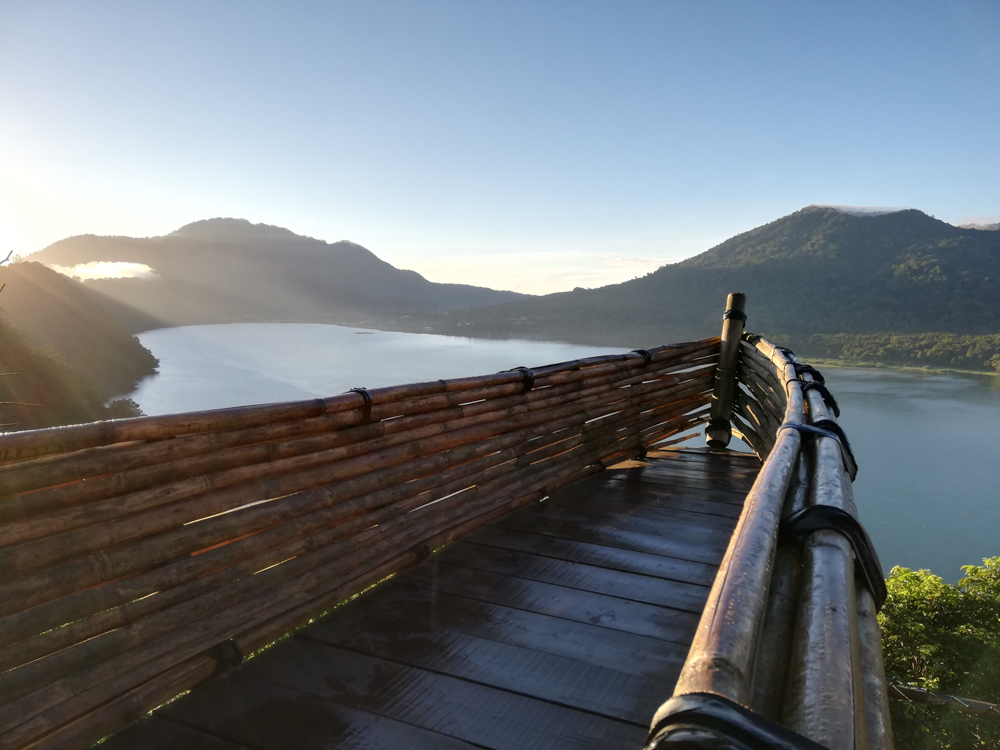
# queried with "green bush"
point(944, 638)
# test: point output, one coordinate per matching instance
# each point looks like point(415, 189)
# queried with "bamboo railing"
point(787, 653)
point(142, 556)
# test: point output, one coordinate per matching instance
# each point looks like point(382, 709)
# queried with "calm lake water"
point(926, 444)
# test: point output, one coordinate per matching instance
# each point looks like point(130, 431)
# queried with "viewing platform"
point(562, 625)
point(527, 559)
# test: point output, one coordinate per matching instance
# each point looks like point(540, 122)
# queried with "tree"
point(944, 638)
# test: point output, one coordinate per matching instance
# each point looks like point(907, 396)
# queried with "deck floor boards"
point(562, 625)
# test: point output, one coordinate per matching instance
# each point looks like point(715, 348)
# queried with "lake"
point(926, 488)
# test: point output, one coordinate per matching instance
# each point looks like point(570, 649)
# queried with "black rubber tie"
point(820, 517)
point(647, 358)
point(227, 656)
point(736, 727)
point(366, 414)
point(801, 368)
point(734, 315)
point(527, 377)
point(828, 428)
point(828, 399)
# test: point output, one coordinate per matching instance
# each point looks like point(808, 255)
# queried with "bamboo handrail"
point(133, 548)
point(786, 631)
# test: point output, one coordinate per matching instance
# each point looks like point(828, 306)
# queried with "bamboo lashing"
point(133, 548)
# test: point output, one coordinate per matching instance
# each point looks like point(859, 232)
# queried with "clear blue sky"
point(533, 145)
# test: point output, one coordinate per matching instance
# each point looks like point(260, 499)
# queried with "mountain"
point(68, 352)
point(818, 270)
point(229, 270)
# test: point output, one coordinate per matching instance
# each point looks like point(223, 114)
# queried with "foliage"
point(816, 271)
point(936, 350)
point(66, 354)
point(944, 638)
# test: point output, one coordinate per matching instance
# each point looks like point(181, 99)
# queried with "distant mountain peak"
point(860, 210)
point(241, 228)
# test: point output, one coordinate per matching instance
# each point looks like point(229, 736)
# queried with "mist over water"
point(926, 444)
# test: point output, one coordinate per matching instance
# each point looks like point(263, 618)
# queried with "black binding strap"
point(828, 399)
point(227, 656)
point(801, 368)
point(735, 727)
point(527, 377)
point(734, 315)
point(818, 517)
point(646, 356)
point(366, 415)
point(787, 352)
point(828, 428)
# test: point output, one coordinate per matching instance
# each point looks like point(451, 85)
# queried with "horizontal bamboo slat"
point(132, 548)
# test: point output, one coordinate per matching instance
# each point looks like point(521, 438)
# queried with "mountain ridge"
point(817, 270)
point(230, 270)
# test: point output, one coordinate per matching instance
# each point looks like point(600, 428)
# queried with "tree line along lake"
point(926, 442)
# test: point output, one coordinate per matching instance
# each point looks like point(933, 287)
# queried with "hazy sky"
point(536, 145)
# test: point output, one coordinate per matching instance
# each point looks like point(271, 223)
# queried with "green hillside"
point(817, 271)
point(63, 351)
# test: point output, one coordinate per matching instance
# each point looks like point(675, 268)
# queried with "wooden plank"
point(404, 607)
point(617, 503)
point(631, 586)
point(158, 733)
point(739, 468)
point(737, 461)
point(457, 708)
point(267, 715)
point(685, 499)
point(601, 690)
point(691, 474)
point(733, 498)
point(672, 524)
point(609, 612)
point(733, 494)
point(595, 554)
point(697, 550)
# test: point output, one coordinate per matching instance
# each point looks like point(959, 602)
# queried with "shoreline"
point(844, 364)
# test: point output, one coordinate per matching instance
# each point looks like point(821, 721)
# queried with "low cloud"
point(102, 269)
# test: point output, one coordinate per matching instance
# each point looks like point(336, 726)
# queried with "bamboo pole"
point(826, 697)
point(58, 470)
point(32, 443)
point(719, 431)
point(879, 726)
point(722, 654)
point(73, 605)
point(46, 699)
point(772, 658)
point(352, 459)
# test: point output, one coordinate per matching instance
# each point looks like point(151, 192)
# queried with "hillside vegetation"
point(229, 270)
point(816, 271)
point(62, 351)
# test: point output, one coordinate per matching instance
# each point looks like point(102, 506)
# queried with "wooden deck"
point(563, 625)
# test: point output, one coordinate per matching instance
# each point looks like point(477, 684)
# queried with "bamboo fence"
point(789, 631)
point(142, 556)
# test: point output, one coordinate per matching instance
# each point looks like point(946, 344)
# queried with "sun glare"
point(100, 269)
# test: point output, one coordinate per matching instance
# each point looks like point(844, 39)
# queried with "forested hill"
point(229, 270)
point(61, 350)
point(818, 270)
